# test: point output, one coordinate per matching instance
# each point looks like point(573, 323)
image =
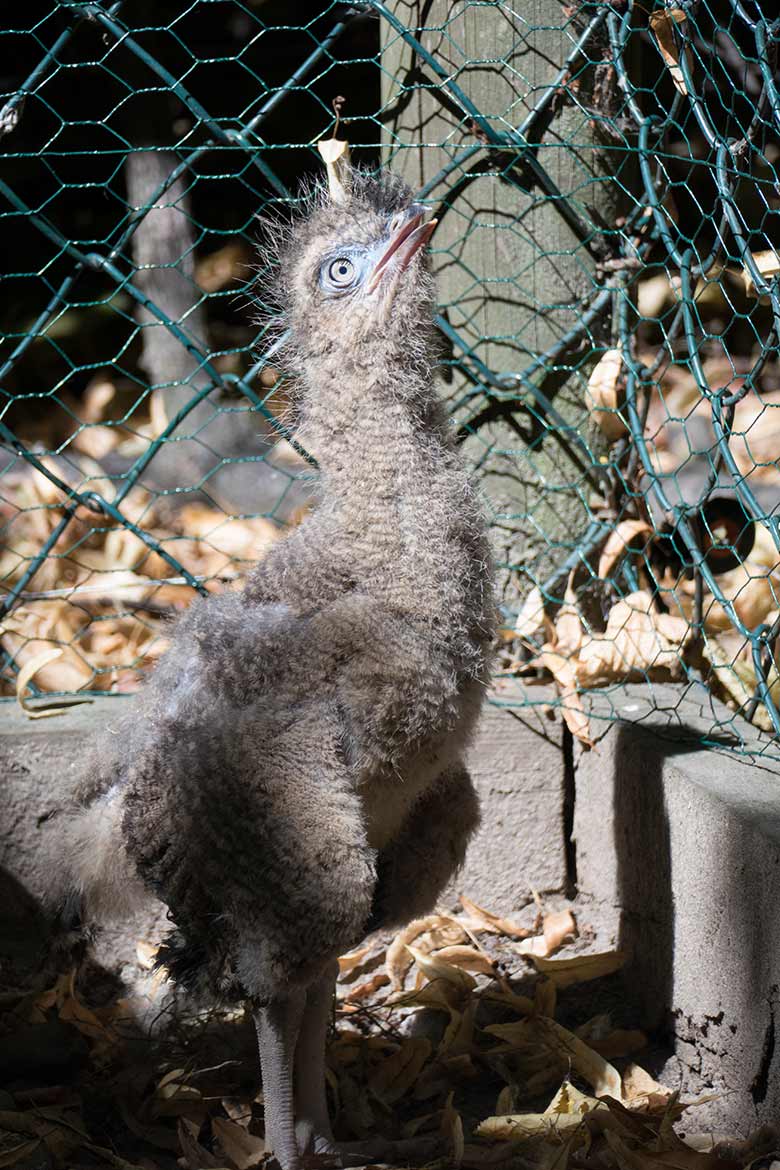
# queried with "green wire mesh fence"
point(605, 179)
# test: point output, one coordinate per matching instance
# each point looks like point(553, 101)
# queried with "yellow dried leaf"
point(516, 1126)
point(452, 1131)
point(393, 1078)
point(570, 1101)
point(605, 394)
point(435, 968)
point(25, 676)
point(240, 1146)
point(580, 968)
point(545, 998)
point(767, 263)
point(620, 539)
point(335, 154)
point(459, 1034)
point(518, 1003)
point(642, 1092)
point(638, 642)
point(467, 958)
point(619, 1043)
point(349, 962)
point(568, 623)
point(435, 930)
point(557, 926)
point(367, 989)
point(530, 620)
point(484, 920)
point(564, 670)
point(74, 1012)
point(599, 1073)
point(662, 24)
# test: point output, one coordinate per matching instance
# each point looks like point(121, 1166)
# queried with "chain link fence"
point(606, 181)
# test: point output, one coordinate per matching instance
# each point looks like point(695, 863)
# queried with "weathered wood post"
point(516, 264)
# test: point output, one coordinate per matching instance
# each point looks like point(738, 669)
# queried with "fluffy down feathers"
point(292, 772)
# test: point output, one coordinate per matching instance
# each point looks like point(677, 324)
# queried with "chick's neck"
point(391, 480)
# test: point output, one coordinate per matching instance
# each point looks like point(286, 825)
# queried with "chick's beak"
point(402, 247)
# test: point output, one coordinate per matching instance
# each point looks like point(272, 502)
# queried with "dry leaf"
point(530, 620)
point(557, 927)
point(437, 971)
point(618, 541)
point(367, 989)
point(468, 958)
point(638, 642)
point(605, 394)
point(398, 1072)
point(241, 1147)
point(452, 1130)
point(564, 671)
point(568, 623)
point(335, 155)
point(602, 1076)
point(26, 675)
point(19, 1152)
point(564, 1114)
point(349, 962)
point(768, 264)
point(641, 1092)
point(196, 1156)
point(662, 23)
point(545, 998)
point(619, 1043)
point(484, 920)
point(580, 968)
point(435, 930)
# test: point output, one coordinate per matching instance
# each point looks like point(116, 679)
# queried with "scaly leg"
point(312, 1123)
point(277, 1033)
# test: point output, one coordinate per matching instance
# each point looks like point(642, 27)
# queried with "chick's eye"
point(341, 271)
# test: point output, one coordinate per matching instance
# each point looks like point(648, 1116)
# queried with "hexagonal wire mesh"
point(606, 184)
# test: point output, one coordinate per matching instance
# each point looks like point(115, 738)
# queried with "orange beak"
point(403, 246)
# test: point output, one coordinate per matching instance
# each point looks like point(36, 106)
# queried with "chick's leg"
point(277, 1026)
point(312, 1123)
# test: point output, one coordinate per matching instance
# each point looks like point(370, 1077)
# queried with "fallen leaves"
point(556, 929)
point(662, 23)
point(97, 617)
point(407, 1073)
point(605, 394)
point(565, 972)
point(639, 643)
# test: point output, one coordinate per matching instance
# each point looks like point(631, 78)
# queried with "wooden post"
point(514, 273)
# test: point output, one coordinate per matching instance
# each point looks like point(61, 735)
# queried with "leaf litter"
point(453, 1044)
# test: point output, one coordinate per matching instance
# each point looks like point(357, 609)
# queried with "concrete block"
point(684, 845)
point(519, 770)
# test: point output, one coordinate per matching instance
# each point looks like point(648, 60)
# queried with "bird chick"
point(292, 775)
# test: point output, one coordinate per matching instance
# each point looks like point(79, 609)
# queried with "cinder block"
point(518, 767)
point(684, 845)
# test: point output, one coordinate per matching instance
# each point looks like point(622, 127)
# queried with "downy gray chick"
point(292, 775)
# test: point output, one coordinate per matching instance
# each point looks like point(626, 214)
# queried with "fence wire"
point(606, 180)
